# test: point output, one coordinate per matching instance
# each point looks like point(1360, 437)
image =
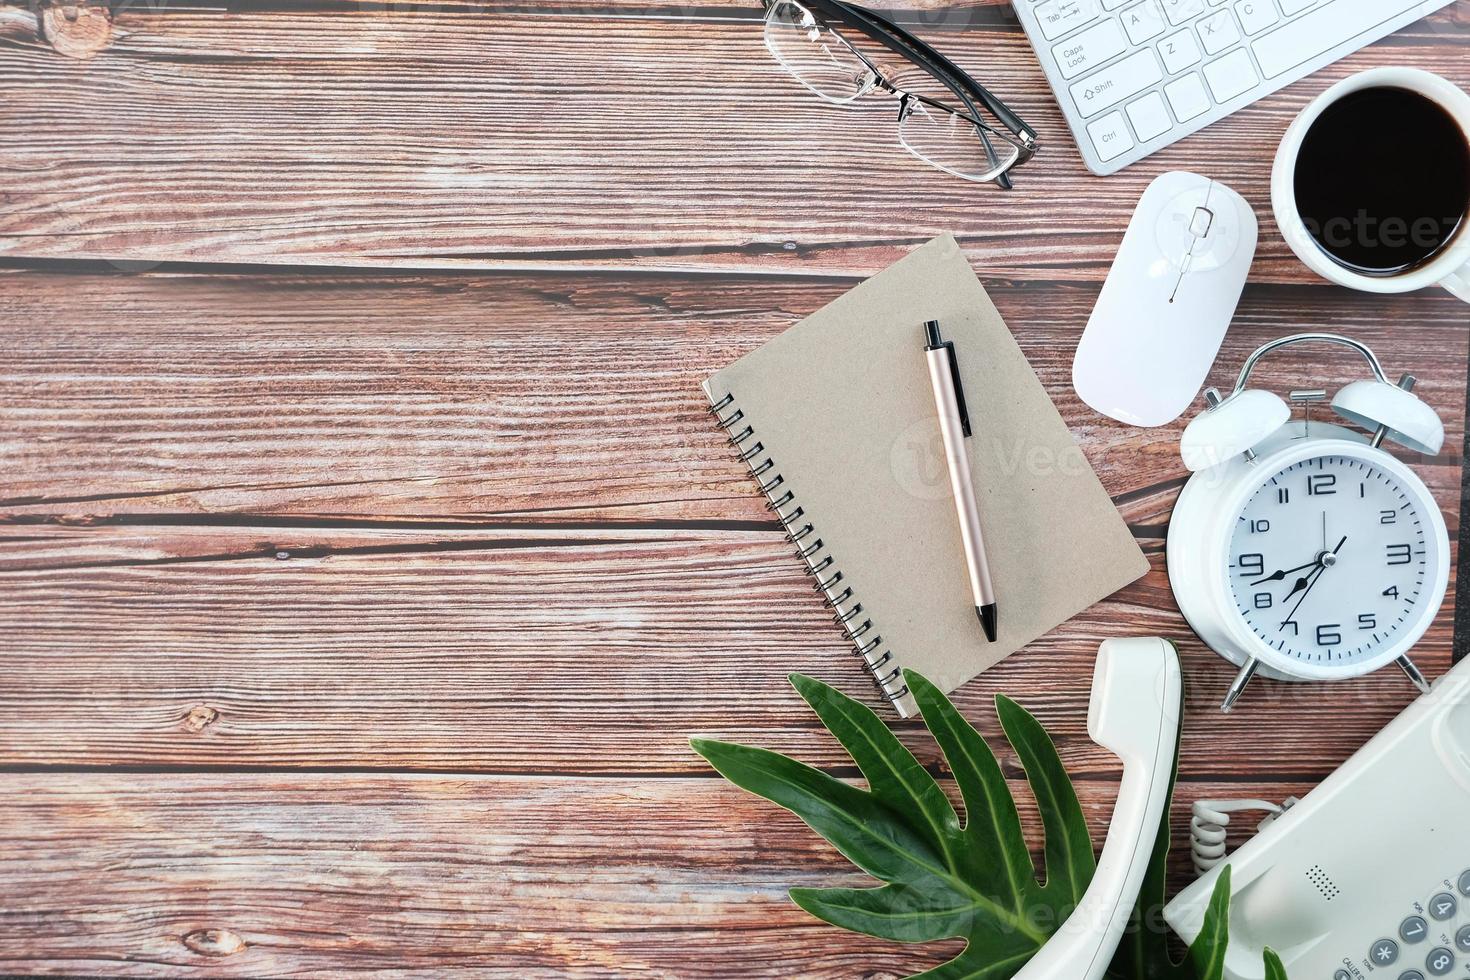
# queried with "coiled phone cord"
point(1208, 823)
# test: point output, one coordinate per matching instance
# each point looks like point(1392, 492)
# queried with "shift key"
point(1089, 48)
point(1100, 92)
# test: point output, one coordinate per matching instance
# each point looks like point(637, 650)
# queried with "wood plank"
point(484, 138)
point(520, 651)
point(512, 398)
point(464, 540)
point(240, 875)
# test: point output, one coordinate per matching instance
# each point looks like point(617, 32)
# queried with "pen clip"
point(959, 387)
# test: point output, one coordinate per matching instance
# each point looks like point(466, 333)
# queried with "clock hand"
point(1302, 583)
point(1279, 576)
point(1314, 577)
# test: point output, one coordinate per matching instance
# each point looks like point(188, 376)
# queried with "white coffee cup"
point(1450, 268)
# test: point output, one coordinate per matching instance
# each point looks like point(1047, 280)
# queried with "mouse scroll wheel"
point(1199, 225)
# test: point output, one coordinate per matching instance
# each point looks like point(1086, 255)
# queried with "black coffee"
point(1383, 180)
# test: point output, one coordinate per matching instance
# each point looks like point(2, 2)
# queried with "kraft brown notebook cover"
point(837, 421)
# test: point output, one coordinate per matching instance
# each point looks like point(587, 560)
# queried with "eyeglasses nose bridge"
point(905, 104)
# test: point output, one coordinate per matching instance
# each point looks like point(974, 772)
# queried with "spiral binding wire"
point(847, 611)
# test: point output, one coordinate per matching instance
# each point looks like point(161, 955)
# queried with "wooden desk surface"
point(366, 557)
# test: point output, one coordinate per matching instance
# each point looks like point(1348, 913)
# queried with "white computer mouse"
point(1167, 302)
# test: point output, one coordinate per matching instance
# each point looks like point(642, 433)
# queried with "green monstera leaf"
point(940, 878)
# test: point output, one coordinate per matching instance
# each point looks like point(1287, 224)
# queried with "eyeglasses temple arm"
point(927, 55)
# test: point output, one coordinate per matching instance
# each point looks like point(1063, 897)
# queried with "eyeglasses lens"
point(816, 55)
point(954, 143)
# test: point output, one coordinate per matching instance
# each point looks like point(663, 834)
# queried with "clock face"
point(1328, 561)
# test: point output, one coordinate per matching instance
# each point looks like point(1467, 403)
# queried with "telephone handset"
point(1137, 697)
point(1368, 876)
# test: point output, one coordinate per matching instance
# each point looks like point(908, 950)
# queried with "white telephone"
point(1137, 697)
point(1369, 875)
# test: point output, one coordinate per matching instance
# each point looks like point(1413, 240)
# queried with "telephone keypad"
point(1423, 929)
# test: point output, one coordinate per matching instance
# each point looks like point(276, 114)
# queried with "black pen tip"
point(987, 620)
point(931, 335)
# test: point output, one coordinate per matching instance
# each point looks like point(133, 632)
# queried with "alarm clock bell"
point(1400, 414)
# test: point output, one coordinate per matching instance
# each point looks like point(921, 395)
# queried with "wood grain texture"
point(356, 621)
point(272, 875)
point(574, 138)
point(449, 522)
point(518, 398)
point(529, 651)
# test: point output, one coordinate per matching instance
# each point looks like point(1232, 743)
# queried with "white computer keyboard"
point(1133, 76)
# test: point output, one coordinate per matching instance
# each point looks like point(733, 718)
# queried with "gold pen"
point(954, 426)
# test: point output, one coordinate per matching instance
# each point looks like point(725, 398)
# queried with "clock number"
point(1392, 591)
point(1263, 600)
point(1321, 484)
point(1292, 624)
point(1367, 621)
point(1362, 489)
point(1388, 517)
point(1283, 495)
point(1328, 635)
point(1400, 554)
point(1260, 527)
point(1251, 565)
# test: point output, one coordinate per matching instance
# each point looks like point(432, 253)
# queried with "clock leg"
point(1415, 674)
point(1237, 687)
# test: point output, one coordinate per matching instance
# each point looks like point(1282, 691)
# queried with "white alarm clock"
point(1300, 550)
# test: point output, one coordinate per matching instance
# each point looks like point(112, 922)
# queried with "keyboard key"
point(1149, 117)
point(1090, 48)
point(1122, 80)
point(1414, 929)
point(1179, 11)
point(1179, 51)
point(1144, 21)
point(1443, 906)
point(1256, 15)
point(1218, 32)
point(1231, 75)
point(1110, 136)
point(1057, 17)
point(1188, 97)
point(1318, 32)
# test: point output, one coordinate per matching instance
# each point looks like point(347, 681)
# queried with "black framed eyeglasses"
point(961, 128)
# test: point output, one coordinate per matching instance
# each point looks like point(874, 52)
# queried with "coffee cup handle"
point(1458, 282)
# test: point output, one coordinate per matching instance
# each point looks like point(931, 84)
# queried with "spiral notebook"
point(836, 420)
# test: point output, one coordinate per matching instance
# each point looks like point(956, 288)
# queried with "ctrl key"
point(1110, 136)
